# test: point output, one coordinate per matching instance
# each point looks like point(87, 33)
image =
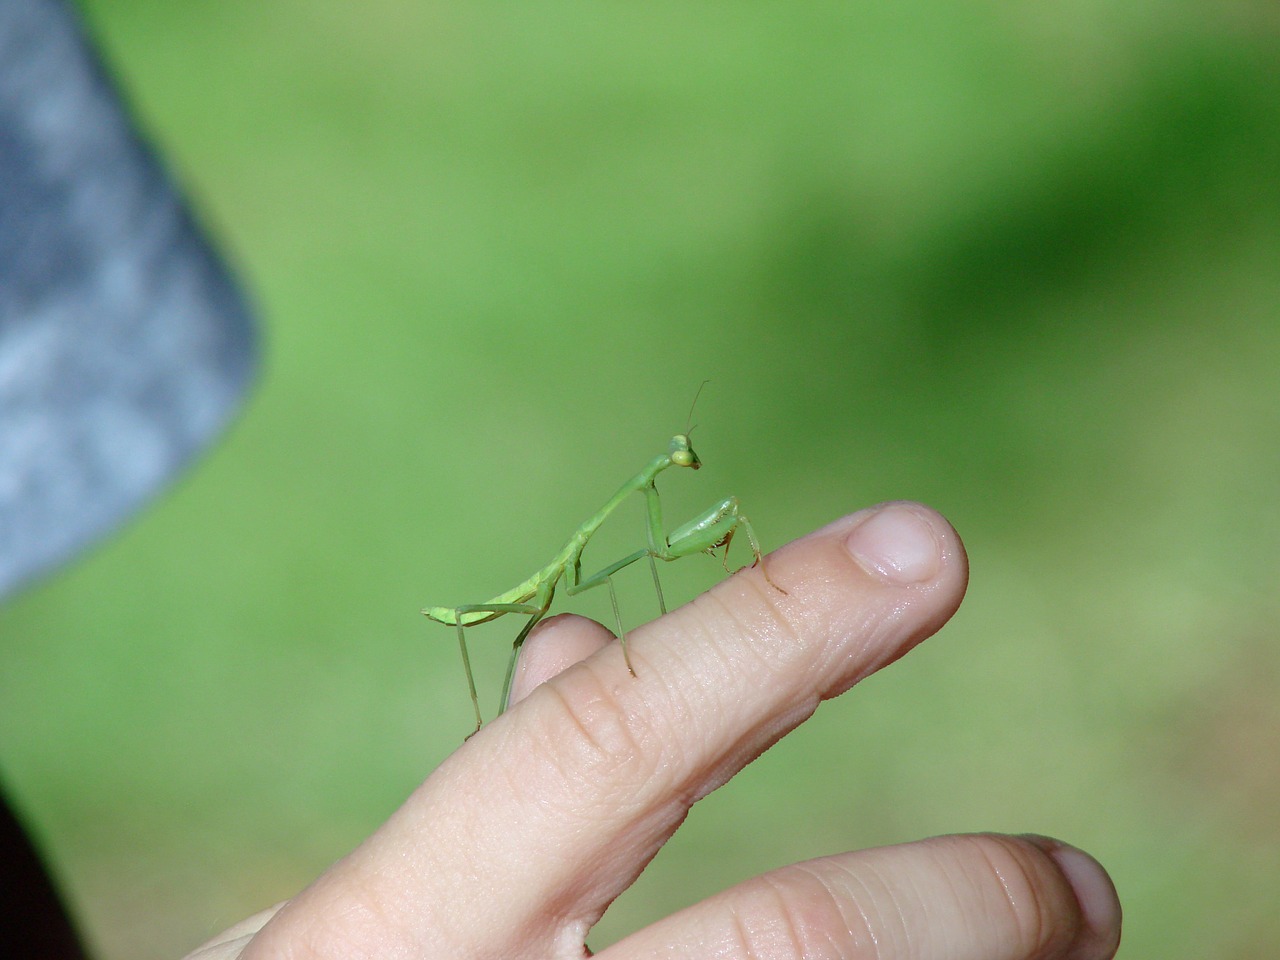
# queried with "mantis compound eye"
point(682, 454)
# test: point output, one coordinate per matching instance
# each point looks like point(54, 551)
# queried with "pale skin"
point(517, 843)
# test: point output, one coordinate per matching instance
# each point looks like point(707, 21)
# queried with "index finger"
point(527, 833)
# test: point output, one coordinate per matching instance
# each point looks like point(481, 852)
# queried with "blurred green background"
point(1018, 260)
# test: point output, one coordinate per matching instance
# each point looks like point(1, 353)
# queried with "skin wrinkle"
point(759, 729)
point(678, 706)
point(612, 817)
point(836, 656)
point(771, 608)
point(233, 947)
point(1031, 924)
point(372, 912)
point(806, 907)
point(785, 629)
point(333, 934)
point(861, 931)
point(731, 597)
point(884, 619)
point(873, 628)
point(610, 739)
point(440, 884)
point(674, 812)
point(238, 935)
point(571, 930)
point(1015, 869)
point(1006, 878)
point(597, 705)
point(948, 898)
point(642, 831)
point(944, 912)
point(595, 739)
point(785, 626)
point(770, 621)
point(913, 898)
point(740, 933)
point(696, 639)
point(890, 893)
point(717, 644)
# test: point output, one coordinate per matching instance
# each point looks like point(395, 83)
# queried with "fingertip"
point(903, 544)
point(553, 646)
point(897, 545)
point(1095, 893)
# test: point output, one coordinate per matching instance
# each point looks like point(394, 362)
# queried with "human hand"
point(517, 843)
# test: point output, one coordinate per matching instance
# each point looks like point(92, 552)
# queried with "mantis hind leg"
point(535, 612)
point(471, 680)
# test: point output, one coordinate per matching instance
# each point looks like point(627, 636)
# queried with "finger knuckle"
point(594, 740)
point(792, 914)
point(1026, 898)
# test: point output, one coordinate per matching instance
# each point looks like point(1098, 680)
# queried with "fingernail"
point(896, 544)
point(1096, 894)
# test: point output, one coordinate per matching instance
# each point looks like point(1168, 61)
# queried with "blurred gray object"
point(124, 344)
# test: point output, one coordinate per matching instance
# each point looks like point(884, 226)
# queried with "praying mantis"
point(712, 529)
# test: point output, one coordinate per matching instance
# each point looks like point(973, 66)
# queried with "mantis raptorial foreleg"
point(712, 529)
point(709, 530)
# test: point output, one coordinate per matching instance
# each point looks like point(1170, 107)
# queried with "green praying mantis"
point(710, 530)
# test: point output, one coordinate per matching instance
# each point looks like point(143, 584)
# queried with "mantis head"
point(682, 454)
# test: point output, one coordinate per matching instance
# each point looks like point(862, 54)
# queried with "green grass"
point(1020, 262)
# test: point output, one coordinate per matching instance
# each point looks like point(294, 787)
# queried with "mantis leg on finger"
point(706, 532)
point(462, 618)
point(710, 530)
